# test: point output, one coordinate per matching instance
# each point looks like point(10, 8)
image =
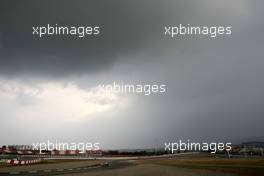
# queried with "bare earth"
point(151, 170)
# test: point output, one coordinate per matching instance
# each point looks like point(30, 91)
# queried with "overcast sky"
point(48, 85)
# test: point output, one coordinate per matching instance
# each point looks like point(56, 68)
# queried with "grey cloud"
point(127, 28)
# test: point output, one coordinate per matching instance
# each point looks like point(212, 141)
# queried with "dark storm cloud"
point(126, 27)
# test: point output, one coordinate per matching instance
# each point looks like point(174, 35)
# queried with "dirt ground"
point(151, 170)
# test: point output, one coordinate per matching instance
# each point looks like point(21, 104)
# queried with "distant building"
point(253, 144)
point(27, 150)
point(91, 153)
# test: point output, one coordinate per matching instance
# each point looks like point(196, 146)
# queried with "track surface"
point(109, 166)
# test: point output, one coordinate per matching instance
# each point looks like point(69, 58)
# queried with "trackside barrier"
point(22, 162)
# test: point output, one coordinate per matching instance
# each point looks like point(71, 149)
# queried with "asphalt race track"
point(104, 166)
